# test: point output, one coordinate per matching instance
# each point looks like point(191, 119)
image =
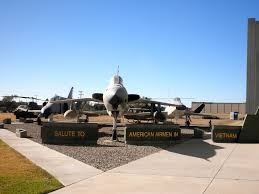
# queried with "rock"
point(22, 133)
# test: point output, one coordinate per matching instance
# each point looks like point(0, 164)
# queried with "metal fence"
point(221, 107)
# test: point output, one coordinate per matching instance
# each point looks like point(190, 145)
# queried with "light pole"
point(80, 94)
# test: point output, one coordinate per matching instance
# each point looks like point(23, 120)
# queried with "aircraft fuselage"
point(115, 97)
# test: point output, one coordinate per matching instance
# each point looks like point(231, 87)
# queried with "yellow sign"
point(226, 135)
point(69, 134)
point(147, 134)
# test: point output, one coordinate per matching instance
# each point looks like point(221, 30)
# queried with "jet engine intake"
point(70, 114)
point(181, 107)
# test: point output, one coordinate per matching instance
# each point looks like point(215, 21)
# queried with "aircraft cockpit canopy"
point(116, 80)
point(177, 101)
point(55, 98)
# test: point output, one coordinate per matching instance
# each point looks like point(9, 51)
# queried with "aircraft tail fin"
point(199, 108)
point(70, 95)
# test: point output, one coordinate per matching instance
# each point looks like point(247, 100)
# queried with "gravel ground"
point(105, 155)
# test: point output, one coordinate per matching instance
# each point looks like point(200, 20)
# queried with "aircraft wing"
point(146, 101)
point(139, 114)
point(27, 110)
point(34, 111)
point(74, 100)
point(199, 114)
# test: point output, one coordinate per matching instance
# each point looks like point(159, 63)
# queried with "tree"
point(8, 104)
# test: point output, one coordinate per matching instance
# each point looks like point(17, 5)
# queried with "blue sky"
point(165, 48)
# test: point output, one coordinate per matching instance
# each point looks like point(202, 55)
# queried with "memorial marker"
point(69, 133)
point(135, 133)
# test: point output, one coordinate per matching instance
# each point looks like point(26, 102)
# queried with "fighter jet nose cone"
point(116, 96)
point(181, 107)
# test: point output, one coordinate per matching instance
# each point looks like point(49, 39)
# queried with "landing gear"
point(114, 128)
point(86, 119)
point(77, 118)
point(39, 120)
point(50, 118)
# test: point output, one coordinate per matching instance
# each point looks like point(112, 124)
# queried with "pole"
point(80, 94)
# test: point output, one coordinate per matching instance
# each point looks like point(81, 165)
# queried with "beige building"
point(221, 107)
point(252, 90)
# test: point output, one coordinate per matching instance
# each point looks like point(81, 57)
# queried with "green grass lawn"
point(19, 175)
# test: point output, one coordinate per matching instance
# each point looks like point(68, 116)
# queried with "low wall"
point(145, 133)
point(69, 133)
point(225, 133)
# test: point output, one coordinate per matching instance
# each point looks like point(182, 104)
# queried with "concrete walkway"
point(196, 166)
point(65, 169)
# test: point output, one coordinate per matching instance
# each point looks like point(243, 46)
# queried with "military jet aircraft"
point(115, 99)
point(172, 110)
point(52, 107)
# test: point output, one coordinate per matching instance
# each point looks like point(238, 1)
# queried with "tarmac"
point(195, 166)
